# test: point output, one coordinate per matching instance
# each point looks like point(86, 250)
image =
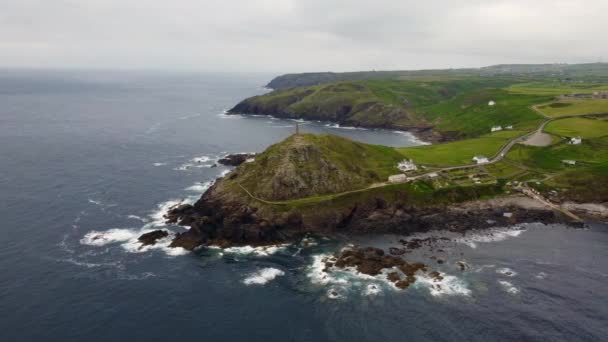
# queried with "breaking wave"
point(263, 276)
point(472, 238)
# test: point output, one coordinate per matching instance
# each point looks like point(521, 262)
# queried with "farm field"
point(573, 127)
point(574, 107)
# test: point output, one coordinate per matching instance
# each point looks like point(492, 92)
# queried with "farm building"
point(407, 165)
point(569, 162)
point(496, 129)
point(481, 159)
point(575, 141)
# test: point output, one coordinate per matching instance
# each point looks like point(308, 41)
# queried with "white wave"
point(508, 287)
point(472, 238)
point(346, 279)
point(100, 203)
point(449, 285)
point(225, 115)
point(91, 264)
point(338, 126)
point(159, 164)
point(135, 217)
point(263, 276)
point(260, 251)
point(158, 216)
point(128, 239)
point(102, 238)
point(372, 290)
point(506, 272)
point(224, 173)
point(185, 117)
point(483, 267)
point(541, 275)
point(200, 187)
point(412, 137)
point(198, 163)
point(336, 293)
point(134, 246)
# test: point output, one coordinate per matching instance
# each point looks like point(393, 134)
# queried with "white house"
point(569, 162)
point(481, 159)
point(400, 178)
point(433, 175)
point(496, 128)
point(491, 103)
point(509, 127)
point(407, 165)
point(575, 141)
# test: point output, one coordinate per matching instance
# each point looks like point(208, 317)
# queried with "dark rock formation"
point(151, 237)
point(235, 159)
point(373, 261)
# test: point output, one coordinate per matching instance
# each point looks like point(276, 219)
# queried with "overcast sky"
point(299, 35)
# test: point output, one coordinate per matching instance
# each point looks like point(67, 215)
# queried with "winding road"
point(500, 155)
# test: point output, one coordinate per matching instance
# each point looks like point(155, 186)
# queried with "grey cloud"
point(299, 35)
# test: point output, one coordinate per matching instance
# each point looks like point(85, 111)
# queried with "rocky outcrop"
point(373, 261)
point(235, 221)
point(236, 159)
point(151, 237)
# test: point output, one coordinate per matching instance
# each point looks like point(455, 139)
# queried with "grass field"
point(458, 152)
point(574, 107)
point(470, 114)
point(555, 88)
point(549, 158)
point(572, 127)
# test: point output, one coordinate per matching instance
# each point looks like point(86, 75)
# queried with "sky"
point(299, 35)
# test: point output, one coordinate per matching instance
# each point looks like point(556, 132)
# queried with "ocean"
point(91, 159)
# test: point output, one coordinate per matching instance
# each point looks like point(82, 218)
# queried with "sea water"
point(90, 160)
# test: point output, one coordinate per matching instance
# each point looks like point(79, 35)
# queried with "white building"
point(509, 127)
point(496, 128)
point(491, 103)
point(575, 141)
point(481, 159)
point(407, 165)
point(400, 178)
point(433, 175)
point(569, 162)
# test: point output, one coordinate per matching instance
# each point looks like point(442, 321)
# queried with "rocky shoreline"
point(423, 133)
point(228, 223)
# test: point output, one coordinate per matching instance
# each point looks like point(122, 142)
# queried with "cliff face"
point(350, 104)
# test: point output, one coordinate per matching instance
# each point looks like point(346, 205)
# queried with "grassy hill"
point(454, 108)
point(310, 165)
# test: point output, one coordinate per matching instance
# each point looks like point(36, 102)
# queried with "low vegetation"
point(462, 106)
point(574, 107)
point(578, 127)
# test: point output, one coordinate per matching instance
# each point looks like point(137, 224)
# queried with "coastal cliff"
point(331, 185)
point(355, 104)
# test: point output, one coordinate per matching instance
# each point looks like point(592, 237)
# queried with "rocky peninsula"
point(329, 185)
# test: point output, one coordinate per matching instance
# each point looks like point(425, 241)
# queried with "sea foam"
point(472, 238)
point(263, 276)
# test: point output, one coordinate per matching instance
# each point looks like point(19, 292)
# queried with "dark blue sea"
point(90, 160)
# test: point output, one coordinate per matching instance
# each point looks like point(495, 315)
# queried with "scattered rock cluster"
point(373, 261)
